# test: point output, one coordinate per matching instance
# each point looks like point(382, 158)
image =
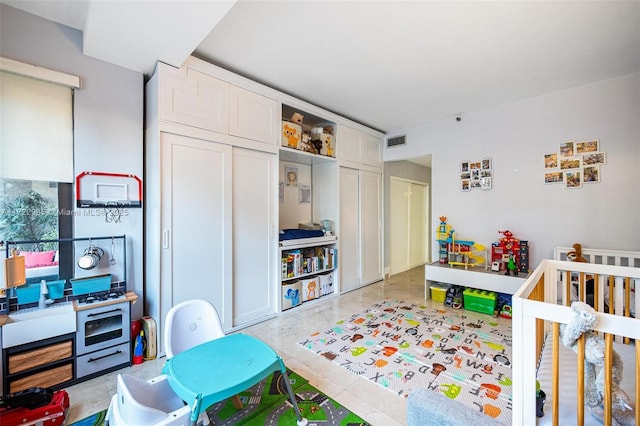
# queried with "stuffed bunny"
point(582, 323)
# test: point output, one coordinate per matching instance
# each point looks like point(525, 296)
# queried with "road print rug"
point(402, 346)
point(267, 403)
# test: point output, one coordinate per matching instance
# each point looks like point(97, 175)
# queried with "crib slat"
point(637, 383)
point(567, 289)
point(555, 370)
point(627, 301)
point(580, 377)
point(612, 293)
point(608, 382)
point(596, 292)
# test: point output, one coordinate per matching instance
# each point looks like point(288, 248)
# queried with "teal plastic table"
point(221, 368)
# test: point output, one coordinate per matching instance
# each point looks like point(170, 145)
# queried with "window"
point(36, 153)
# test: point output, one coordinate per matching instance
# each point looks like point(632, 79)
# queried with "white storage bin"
point(310, 288)
point(326, 283)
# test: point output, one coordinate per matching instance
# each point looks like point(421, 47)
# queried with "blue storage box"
point(95, 284)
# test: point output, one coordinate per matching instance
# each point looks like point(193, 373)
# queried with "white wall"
point(516, 136)
point(108, 112)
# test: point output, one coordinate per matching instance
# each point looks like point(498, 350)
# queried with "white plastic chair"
point(191, 323)
point(151, 402)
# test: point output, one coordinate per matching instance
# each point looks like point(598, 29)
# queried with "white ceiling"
point(387, 64)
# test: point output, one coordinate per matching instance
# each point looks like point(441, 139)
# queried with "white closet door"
point(349, 233)
point(196, 250)
point(254, 248)
point(371, 226)
point(399, 227)
point(417, 228)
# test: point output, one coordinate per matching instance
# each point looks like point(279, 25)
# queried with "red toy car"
point(35, 406)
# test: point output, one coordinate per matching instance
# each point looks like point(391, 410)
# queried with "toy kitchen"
point(65, 314)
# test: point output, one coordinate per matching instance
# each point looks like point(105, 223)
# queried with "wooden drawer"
point(45, 379)
point(41, 356)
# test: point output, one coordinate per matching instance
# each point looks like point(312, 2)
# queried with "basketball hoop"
point(113, 211)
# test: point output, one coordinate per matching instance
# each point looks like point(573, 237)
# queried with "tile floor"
point(375, 404)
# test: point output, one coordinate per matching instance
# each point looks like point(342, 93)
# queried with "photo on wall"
point(476, 174)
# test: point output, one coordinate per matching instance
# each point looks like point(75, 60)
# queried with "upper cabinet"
point(189, 97)
point(358, 148)
point(192, 98)
point(253, 116)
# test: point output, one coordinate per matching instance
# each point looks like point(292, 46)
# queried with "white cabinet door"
point(196, 216)
point(371, 226)
point(348, 144)
point(349, 231)
point(189, 97)
point(253, 116)
point(360, 228)
point(254, 247)
point(371, 151)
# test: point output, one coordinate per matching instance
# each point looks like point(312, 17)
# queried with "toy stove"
point(96, 299)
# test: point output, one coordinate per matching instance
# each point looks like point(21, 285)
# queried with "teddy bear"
point(582, 323)
point(575, 255)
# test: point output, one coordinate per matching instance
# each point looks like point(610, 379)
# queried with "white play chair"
point(151, 402)
point(188, 324)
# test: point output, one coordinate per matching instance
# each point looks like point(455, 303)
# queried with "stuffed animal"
point(582, 323)
point(575, 255)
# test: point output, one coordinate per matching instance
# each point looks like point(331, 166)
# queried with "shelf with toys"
point(507, 254)
point(308, 273)
point(305, 133)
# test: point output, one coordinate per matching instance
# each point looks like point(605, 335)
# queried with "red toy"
point(511, 254)
point(36, 406)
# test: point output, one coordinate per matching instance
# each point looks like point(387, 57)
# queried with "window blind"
point(36, 129)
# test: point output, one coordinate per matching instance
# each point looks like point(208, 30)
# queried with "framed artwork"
point(476, 174)
point(291, 174)
point(551, 161)
point(304, 194)
point(567, 149)
point(594, 158)
point(485, 183)
point(586, 147)
point(570, 163)
point(591, 174)
point(553, 177)
point(573, 179)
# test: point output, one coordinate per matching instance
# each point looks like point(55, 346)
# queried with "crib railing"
point(536, 313)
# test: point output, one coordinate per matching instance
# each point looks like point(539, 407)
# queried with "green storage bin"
point(480, 300)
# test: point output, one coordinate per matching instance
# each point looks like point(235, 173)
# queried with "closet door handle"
point(165, 239)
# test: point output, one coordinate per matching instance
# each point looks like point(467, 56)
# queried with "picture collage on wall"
point(575, 163)
point(476, 175)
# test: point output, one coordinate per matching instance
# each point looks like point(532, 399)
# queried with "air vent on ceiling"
point(397, 140)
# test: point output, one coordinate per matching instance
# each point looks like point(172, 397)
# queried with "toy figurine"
point(511, 267)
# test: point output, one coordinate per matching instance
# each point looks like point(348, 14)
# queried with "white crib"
point(539, 309)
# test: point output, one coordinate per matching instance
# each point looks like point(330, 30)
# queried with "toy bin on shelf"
point(291, 135)
point(326, 283)
point(439, 292)
point(291, 294)
point(310, 288)
point(480, 300)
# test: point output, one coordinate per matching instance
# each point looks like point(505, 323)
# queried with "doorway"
point(408, 236)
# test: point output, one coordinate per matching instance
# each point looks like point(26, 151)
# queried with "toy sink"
point(33, 324)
